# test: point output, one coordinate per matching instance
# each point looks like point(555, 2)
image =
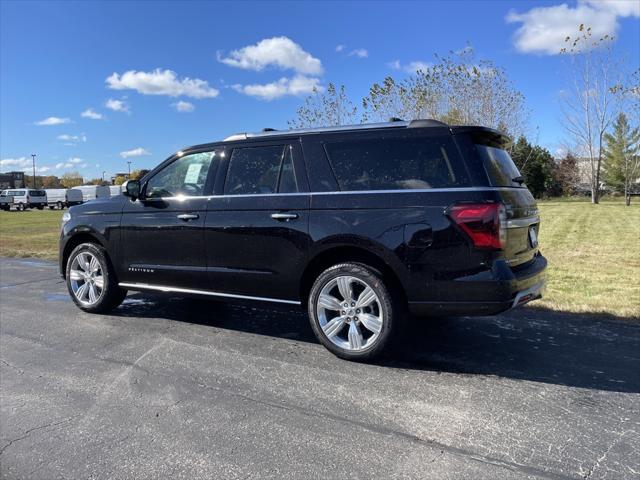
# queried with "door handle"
point(284, 216)
point(188, 216)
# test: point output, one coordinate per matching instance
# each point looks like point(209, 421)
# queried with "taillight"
point(484, 223)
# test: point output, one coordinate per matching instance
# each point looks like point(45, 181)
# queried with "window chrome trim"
point(167, 289)
point(349, 192)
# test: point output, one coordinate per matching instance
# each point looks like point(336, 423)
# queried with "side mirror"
point(131, 189)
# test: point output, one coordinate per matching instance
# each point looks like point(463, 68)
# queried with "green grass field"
point(593, 252)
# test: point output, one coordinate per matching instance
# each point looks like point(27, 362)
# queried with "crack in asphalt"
point(34, 429)
point(29, 282)
point(602, 458)
point(512, 466)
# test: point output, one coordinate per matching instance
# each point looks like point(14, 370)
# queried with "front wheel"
point(353, 312)
point(20, 207)
point(91, 280)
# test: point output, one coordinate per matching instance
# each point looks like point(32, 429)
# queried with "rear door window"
point(397, 163)
point(37, 193)
point(261, 170)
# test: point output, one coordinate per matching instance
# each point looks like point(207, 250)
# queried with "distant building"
point(11, 180)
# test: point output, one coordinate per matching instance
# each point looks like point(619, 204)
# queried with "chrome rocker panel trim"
point(163, 288)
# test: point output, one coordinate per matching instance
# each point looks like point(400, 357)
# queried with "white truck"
point(63, 197)
point(93, 192)
point(24, 198)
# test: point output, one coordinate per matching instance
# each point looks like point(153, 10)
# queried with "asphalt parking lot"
point(183, 388)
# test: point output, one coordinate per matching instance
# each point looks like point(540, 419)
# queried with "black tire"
point(387, 305)
point(112, 295)
point(40, 207)
point(59, 205)
point(20, 207)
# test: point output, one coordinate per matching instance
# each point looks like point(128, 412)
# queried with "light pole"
point(103, 172)
point(129, 175)
point(33, 158)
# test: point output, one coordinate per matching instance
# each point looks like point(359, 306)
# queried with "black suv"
point(360, 224)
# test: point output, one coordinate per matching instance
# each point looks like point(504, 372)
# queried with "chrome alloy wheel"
point(86, 278)
point(349, 313)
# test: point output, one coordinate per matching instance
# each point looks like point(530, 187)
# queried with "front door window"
point(186, 177)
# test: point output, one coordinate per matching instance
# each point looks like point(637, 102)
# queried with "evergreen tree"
point(536, 165)
point(622, 157)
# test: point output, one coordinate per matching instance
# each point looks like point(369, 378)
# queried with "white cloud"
point(75, 160)
point(134, 152)
point(183, 106)
point(23, 164)
point(161, 82)
point(411, 67)
point(117, 105)
point(623, 8)
point(544, 29)
point(73, 139)
point(89, 113)
point(15, 162)
point(340, 48)
point(359, 52)
point(298, 85)
point(281, 52)
point(71, 163)
point(53, 121)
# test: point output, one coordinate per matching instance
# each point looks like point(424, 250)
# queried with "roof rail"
point(426, 122)
point(396, 123)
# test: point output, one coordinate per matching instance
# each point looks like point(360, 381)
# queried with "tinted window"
point(258, 170)
point(397, 163)
point(498, 165)
point(37, 193)
point(185, 176)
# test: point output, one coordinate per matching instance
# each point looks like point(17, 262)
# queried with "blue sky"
point(89, 85)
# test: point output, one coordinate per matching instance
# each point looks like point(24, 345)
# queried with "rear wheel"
point(20, 207)
point(91, 280)
point(40, 207)
point(59, 205)
point(352, 311)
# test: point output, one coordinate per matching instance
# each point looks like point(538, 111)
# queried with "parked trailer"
point(115, 190)
point(24, 198)
point(63, 197)
point(93, 192)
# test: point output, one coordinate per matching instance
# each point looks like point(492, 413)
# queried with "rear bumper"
point(493, 292)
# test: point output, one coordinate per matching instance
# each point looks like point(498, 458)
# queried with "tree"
point(588, 102)
point(71, 179)
point(119, 180)
point(332, 108)
point(622, 154)
point(536, 165)
point(458, 89)
point(138, 174)
point(51, 181)
point(567, 174)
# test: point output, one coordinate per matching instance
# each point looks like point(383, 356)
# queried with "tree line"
point(600, 113)
point(75, 179)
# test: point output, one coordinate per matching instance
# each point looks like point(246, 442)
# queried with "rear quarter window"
point(397, 163)
point(498, 164)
